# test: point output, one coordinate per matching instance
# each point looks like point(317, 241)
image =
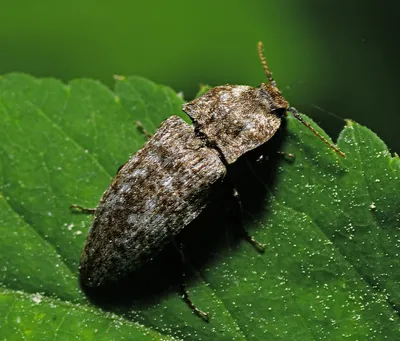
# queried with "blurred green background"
point(327, 56)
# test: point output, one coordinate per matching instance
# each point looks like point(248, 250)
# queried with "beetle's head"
point(276, 100)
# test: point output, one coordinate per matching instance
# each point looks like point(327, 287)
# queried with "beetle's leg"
point(263, 158)
point(259, 246)
point(143, 130)
point(84, 209)
point(289, 155)
point(185, 294)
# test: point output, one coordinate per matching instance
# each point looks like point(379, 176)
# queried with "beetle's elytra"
point(167, 183)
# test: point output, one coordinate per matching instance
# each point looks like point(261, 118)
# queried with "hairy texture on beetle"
point(168, 183)
point(237, 118)
point(159, 191)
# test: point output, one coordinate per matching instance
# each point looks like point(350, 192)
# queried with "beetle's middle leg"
point(84, 209)
point(243, 232)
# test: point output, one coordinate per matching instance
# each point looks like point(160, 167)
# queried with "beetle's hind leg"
point(185, 294)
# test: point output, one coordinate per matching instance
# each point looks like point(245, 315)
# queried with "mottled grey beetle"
point(166, 184)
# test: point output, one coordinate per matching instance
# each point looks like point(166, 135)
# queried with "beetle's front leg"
point(263, 158)
point(143, 130)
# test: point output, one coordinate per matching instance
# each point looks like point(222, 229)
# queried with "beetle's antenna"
point(264, 64)
point(297, 115)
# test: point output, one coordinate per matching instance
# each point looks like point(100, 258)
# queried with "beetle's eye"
point(280, 112)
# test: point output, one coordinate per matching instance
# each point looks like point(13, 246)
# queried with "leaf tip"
point(349, 122)
point(202, 90)
point(119, 77)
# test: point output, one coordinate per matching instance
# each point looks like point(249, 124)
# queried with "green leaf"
point(330, 225)
point(34, 317)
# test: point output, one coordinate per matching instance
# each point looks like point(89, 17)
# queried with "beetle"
point(167, 183)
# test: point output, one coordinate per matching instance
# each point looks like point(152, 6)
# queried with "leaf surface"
point(330, 225)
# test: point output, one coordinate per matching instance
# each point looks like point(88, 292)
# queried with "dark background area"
point(327, 56)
